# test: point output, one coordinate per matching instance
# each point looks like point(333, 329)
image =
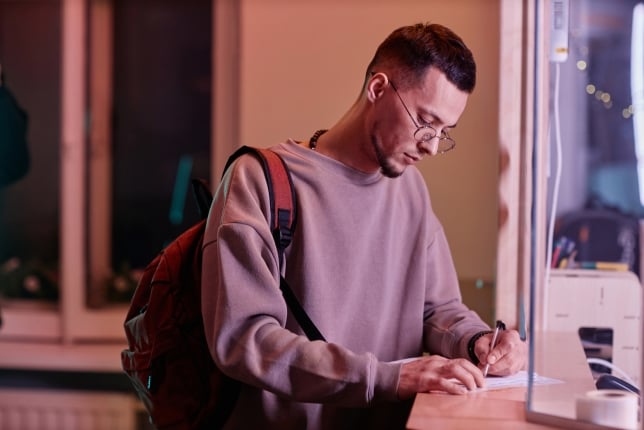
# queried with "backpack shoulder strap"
point(281, 193)
point(203, 197)
point(283, 218)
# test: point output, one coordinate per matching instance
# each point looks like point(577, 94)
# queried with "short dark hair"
point(411, 50)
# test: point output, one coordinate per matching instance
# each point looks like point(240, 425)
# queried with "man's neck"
point(348, 143)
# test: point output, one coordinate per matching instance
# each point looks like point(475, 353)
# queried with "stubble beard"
point(387, 168)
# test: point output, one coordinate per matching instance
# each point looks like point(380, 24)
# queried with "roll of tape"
point(613, 408)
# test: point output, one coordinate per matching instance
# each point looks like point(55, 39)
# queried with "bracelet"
point(472, 342)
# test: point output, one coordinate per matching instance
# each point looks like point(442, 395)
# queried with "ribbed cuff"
point(386, 382)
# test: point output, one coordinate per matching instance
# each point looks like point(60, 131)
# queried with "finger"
point(453, 386)
point(465, 372)
point(495, 355)
point(475, 373)
point(508, 357)
point(506, 344)
point(468, 380)
point(482, 346)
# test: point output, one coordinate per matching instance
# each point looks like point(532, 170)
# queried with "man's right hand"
point(436, 373)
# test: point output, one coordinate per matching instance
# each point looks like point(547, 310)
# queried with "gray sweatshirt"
point(371, 265)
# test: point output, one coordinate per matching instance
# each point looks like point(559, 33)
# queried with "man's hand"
point(436, 373)
point(508, 356)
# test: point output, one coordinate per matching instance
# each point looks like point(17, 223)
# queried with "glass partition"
point(586, 303)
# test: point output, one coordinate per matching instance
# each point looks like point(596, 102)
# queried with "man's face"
point(436, 102)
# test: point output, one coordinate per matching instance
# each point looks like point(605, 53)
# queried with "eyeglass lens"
point(426, 133)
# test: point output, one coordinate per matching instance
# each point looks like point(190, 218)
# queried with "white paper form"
point(519, 379)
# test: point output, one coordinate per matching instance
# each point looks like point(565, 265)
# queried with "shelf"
point(32, 320)
point(104, 357)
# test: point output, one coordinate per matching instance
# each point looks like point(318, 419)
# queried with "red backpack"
point(168, 360)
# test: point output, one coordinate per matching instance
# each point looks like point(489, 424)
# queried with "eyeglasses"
point(425, 132)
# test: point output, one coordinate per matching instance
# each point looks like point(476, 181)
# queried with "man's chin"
point(391, 172)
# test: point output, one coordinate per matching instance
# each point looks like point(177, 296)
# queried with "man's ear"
point(376, 86)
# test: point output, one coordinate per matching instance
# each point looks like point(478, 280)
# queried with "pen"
point(499, 326)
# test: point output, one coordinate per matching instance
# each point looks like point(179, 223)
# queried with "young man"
point(369, 260)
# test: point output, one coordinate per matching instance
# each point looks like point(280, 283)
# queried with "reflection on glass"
point(590, 308)
point(597, 109)
point(637, 90)
point(591, 338)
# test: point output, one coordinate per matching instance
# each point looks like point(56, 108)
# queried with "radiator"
point(29, 409)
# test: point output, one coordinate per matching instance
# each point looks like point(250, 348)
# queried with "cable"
point(555, 194)
point(612, 367)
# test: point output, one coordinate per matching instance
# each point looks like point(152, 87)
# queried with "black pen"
point(499, 326)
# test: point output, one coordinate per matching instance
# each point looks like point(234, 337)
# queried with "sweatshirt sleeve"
point(245, 314)
point(449, 324)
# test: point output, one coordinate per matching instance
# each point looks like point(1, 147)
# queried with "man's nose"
point(429, 146)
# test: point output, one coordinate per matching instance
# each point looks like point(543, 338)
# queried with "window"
point(119, 119)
